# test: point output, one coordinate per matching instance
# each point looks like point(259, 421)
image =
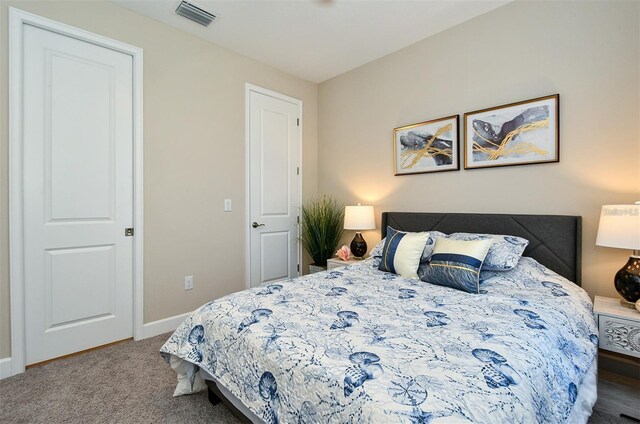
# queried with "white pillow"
point(402, 252)
point(377, 250)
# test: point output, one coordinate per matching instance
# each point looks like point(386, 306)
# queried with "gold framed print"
point(429, 146)
point(521, 133)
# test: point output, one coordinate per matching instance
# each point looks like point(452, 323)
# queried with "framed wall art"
point(519, 133)
point(430, 146)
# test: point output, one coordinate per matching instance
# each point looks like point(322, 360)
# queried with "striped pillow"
point(456, 264)
point(402, 252)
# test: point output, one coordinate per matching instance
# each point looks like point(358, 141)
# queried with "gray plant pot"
point(316, 268)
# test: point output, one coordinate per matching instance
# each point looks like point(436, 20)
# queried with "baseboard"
point(6, 369)
point(151, 329)
point(155, 328)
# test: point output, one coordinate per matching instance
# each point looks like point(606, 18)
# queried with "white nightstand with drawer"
point(337, 262)
point(618, 326)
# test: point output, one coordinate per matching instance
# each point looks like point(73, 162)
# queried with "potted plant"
point(321, 228)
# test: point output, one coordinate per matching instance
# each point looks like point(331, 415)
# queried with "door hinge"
point(298, 219)
point(298, 121)
point(298, 267)
point(128, 232)
point(298, 171)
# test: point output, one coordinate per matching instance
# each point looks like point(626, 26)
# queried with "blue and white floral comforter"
point(357, 345)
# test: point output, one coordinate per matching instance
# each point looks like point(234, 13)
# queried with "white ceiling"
point(317, 39)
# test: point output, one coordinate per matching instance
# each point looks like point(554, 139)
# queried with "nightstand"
point(618, 326)
point(337, 262)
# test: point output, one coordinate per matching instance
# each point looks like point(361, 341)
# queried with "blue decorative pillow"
point(456, 264)
point(402, 252)
point(376, 252)
point(505, 251)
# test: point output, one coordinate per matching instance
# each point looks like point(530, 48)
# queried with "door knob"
point(256, 225)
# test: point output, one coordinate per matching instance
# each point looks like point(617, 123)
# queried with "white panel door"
point(78, 194)
point(273, 209)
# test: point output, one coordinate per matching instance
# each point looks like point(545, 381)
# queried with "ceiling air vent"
point(195, 13)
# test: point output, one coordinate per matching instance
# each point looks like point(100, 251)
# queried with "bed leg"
point(213, 398)
point(216, 397)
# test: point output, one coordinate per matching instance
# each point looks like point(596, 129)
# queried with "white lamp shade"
point(359, 218)
point(619, 227)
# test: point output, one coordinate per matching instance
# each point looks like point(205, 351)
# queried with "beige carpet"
point(125, 383)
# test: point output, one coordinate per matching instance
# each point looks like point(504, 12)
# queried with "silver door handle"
point(256, 225)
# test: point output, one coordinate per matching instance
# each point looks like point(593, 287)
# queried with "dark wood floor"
point(618, 394)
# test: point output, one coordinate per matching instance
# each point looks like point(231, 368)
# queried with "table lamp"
point(359, 218)
point(620, 227)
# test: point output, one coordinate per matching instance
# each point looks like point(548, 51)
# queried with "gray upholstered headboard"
point(554, 240)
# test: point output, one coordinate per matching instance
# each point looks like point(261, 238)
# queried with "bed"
point(357, 345)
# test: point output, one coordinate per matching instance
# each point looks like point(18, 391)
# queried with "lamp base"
point(358, 246)
point(627, 280)
point(627, 304)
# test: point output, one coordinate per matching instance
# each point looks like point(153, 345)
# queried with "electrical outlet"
point(227, 205)
point(188, 282)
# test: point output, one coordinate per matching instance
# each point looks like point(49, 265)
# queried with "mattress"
point(355, 344)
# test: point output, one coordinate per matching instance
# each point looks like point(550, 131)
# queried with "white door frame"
point(17, 19)
point(248, 88)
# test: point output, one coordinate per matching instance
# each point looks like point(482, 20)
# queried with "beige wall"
point(194, 132)
point(586, 51)
point(193, 154)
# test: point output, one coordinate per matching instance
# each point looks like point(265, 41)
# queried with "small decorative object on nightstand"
point(618, 326)
point(344, 253)
point(359, 218)
point(337, 262)
point(620, 227)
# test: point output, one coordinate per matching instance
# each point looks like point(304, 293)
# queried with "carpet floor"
point(124, 383)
